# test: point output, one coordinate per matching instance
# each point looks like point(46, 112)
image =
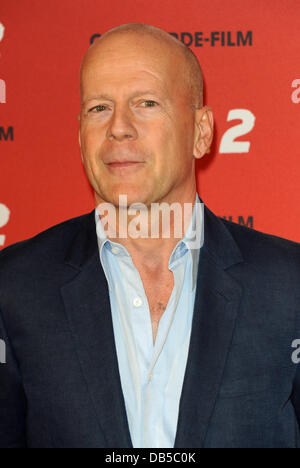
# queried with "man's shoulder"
point(47, 246)
point(262, 247)
point(52, 243)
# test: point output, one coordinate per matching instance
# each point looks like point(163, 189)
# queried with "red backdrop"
point(250, 55)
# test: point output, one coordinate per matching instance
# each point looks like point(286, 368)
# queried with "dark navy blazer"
point(61, 384)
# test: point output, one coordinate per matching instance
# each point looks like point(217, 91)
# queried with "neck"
point(150, 234)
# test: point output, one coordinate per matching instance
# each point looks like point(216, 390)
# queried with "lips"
point(123, 159)
point(123, 163)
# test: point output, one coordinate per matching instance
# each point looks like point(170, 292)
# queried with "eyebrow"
point(134, 95)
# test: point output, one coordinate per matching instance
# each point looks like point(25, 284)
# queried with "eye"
point(150, 103)
point(96, 109)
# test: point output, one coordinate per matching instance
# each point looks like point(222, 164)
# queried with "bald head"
point(189, 67)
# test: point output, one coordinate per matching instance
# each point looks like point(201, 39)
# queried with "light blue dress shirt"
point(151, 374)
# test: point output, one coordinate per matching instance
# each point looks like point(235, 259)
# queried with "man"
point(140, 341)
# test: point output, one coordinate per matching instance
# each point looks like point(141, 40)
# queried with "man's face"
point(137, 123)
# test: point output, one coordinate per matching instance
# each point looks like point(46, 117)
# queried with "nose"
point(121, 125)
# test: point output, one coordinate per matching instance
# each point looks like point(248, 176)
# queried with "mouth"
point(124, 168)
point(123, 164)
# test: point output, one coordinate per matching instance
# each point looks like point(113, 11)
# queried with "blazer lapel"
point(87, 305)
point(216, 306)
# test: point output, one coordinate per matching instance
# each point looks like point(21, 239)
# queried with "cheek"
point(185, 142)
point(91, 138)
point(174, 145)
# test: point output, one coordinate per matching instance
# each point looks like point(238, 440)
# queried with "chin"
point(128, 196)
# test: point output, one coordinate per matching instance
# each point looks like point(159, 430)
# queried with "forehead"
point(126, 62)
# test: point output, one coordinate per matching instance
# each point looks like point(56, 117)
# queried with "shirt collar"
point(190, 243)
point(192, 240)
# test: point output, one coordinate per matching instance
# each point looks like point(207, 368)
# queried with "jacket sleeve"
point(12, 397)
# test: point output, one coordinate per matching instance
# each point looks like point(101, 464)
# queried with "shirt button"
point(137, 302)
point(115, 250)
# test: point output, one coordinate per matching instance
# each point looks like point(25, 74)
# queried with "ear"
point(204, 125)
